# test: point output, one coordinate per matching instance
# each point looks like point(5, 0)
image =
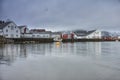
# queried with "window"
point(12, 27)
point(16, 35)
point(6, 30)
point(37, 35)
point(16, 31)
point(47, 36)
point(97, 32)
point(0, 31)
point(6, 35)
point(12, 35)
point(33, 35)
point(8, 26)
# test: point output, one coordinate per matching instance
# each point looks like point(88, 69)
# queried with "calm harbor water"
point(60, 61)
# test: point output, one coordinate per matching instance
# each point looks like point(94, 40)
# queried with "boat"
point(57, 39)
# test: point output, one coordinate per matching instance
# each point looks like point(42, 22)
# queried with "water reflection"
point(63, 61)
point(10, 52)
point(7, 55)
point(84, 49)
point(22, 50)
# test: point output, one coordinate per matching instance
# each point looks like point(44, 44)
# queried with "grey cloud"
point(68, 14)
point(1, 3)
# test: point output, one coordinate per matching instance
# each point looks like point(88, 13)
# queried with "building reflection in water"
point(6, 54)
point(38, 49)
point(85, 48)
point(79, 48)
point(94, 48)
point(23, 53)
point(11, 52)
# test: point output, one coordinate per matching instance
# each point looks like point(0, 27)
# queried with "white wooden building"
point(9, 30)
point(56, 34)
point(118, 37)
point(37, 35)
point(41, 35)
point(80, 34)
point(24, 29)
point(93, 34)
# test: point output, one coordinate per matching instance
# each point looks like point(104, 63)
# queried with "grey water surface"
point(60, 61)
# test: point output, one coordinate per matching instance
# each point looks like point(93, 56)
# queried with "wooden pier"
point(32, 40)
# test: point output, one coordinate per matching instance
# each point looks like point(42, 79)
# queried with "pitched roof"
point(89, 32)
point(21, 26)
point(80, 32)
point(83, 32)
point(4, 24)
point(56, 33)
point(37, 30)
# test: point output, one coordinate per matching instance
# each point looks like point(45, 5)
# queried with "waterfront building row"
point(9, 29)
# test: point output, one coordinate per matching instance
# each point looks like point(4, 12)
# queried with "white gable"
point(94, 35)
point(11, 31)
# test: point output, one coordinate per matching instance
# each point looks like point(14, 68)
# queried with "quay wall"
point(86, 40)
point(32, 40)
point(48, 40)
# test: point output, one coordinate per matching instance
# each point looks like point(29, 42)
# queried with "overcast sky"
point(63, 14)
